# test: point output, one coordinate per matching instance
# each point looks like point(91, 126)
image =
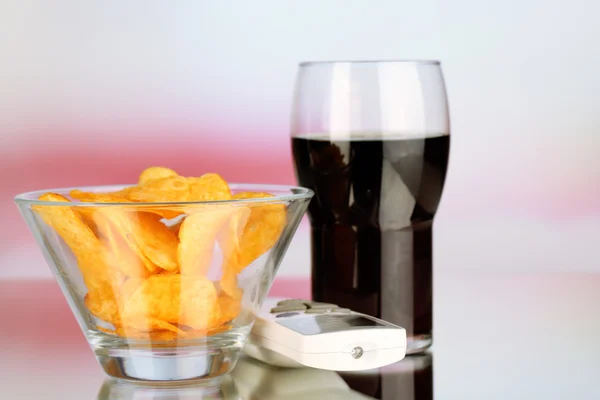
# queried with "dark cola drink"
point(371, 220)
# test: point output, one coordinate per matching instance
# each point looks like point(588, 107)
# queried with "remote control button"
point(317, 311)
point(287, 314)
point(342, 310)
point(321, 306)
point(288, 308)
point(290, 301)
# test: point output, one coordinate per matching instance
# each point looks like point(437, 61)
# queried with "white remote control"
point(295, 333)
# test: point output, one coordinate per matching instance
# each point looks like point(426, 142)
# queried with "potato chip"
point(117, 197)
point(127, 260)
point(68, 224)
point(149, 324)
point(209, 187)
point(230, 235)
point(91, 197)
point(229, 240)
point(177, 299)
point(150, 242)
point(92, 257)
point(165, 272)
point(229, 284)
point(101, 302)
point(179, 189)
point(106, 330)
point(175, 227)
point(128, 288)
point(153, 336)
point(153, 173)
point(174, 188)
point(114, 226)
point(197, 237)
point(261, 232)
point(87, 216)
point(153, 239)
point(230, 308)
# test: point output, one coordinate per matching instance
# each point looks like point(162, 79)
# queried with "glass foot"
point(418, 344)
point(167, 364)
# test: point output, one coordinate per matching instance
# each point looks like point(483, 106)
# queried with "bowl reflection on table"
point(165, 291)
point(221, 388)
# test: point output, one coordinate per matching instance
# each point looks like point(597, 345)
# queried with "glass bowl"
point(165, 291)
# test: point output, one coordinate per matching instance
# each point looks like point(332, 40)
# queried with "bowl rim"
point(298, 193)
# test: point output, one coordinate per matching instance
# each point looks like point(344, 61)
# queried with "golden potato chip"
point(149, 324)
point(124, 257)
point(153, 336)
point(153, 268)
point(197, 237)
point(209, 187)
point(229, 284)
point(163, 335)
point(106, 330)
point(151, 243)
point(68, 224)
point(97, 197)
point(153, 239)
point(194, 334)
point(177, 299)
point(163, 212)
point(128, 288)
point(165, 272)
point(261, 232)
point(102, 303)
point(219, 329)
point(230, 308)
point(87, 216)
point(230, 235)
point(114, 225)
point(117, 197)
point(93, 259)
point(175, 227)
point(174, 188)
point(153, 173)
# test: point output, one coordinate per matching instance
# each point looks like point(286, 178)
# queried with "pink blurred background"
point(94, 92)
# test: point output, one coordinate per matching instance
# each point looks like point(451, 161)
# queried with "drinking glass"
point(372, 139)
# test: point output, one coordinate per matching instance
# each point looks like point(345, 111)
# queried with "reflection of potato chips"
point(177, 299)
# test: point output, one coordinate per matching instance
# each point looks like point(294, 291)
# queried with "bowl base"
point(165, 365)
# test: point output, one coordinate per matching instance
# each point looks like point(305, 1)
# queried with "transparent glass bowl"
point(165, 291)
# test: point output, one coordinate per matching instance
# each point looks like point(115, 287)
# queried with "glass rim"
point(31, 198)
point(389, 61)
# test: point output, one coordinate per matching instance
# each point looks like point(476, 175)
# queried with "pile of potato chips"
point(146, 267)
